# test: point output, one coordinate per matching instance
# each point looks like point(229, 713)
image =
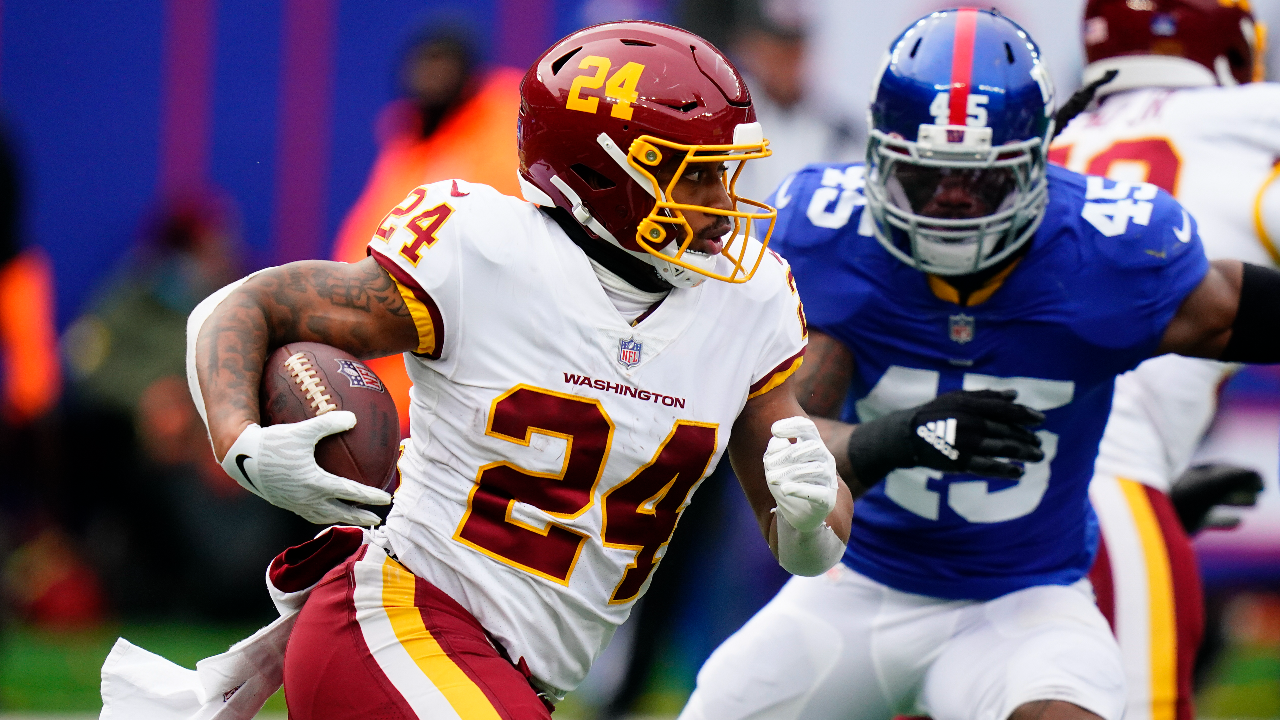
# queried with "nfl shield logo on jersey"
point(629, 352)
point(962, 328)
point(359, 375)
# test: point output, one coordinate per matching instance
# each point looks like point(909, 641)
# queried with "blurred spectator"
point(156, 513)
point(455, 119)
point(29, 364)
point(30, 386)
point(771, 51)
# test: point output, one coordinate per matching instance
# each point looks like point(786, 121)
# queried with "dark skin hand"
point(358, 308)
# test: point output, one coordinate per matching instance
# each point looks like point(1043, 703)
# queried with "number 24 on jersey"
point(639, 514)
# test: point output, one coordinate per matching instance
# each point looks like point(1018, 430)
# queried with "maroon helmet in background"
point(1172, 43)
point(605, 107)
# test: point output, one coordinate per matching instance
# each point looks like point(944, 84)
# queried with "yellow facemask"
point(647, 152)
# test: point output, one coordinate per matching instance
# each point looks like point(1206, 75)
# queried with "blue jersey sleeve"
point(1149, 245)
point(819, 213)
point(816, 204)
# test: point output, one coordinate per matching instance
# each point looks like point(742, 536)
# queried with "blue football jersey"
point(1089, 299)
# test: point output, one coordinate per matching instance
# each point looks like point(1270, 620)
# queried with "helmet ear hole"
point(593, 178)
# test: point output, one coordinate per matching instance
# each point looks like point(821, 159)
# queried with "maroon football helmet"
point(605, 107)
point(1172, 43)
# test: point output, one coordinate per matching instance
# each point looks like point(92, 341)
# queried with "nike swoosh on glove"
point(278, 464)
point(802, 474)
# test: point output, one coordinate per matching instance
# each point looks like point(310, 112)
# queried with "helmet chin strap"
point(670, 272)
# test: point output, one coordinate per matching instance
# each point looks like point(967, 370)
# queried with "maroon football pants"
point(374, 642)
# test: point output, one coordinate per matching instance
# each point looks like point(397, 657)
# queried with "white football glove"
point(801, 475)
point(278, 464)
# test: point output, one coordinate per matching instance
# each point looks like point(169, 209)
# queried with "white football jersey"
point(554, 445)
point(1216, 150)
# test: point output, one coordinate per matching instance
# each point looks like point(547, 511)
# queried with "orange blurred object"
point(32, 379)
point(476, 142)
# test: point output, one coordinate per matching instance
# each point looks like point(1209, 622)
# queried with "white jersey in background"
point(1216, 150)
point(553, 445)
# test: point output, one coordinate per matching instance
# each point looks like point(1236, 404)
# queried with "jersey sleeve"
point(816, 204)
point(781, 327)
point(1251, 115)
point(1155, 255)
point(418, 243)
point(820, 215)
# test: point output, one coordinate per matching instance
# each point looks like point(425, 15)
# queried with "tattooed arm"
point(821, 384)
point(355, 307)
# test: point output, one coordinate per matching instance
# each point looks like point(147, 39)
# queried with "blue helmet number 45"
point(960, 120)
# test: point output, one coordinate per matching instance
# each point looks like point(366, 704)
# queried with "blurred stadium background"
point(155, 149)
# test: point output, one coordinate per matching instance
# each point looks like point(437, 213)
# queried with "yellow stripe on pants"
point(406, 620)
point(1164, 642)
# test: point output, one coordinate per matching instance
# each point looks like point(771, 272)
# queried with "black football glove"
point(1201, 488)
point(970, 431)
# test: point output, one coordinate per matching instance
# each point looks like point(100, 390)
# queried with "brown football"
point(303, 380)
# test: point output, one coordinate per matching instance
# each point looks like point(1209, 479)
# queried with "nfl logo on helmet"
point(629, 352)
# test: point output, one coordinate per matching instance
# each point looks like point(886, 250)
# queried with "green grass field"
point(48, 672)
point(56, 673)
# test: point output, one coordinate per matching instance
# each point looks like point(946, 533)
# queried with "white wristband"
point(807, 553)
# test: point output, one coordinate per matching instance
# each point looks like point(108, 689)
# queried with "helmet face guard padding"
point(949, 246)
point(653, 235)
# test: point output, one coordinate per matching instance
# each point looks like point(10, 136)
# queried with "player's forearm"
point(356, 308)
point(230, 350)
point(835, 435)
point(823, 379)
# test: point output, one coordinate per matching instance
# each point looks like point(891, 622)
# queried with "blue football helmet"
point(961, 117)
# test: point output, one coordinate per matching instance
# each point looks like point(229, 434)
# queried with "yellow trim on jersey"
point(946, 293)
point(462, 694)
point(421, 319)
point(1258, 225)
point(1164, 632)
point(778, 378)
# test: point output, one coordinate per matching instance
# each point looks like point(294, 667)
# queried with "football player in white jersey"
point(580, 362)
point(1184, 110)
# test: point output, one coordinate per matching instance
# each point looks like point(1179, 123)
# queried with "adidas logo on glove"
point(941, 434)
